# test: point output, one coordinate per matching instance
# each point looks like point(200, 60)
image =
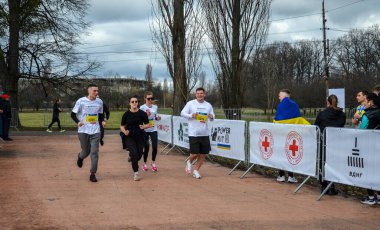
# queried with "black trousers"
point(282, 173)
point(6, 126)
point(101, 131)
point(154, 138)
point(55, 119)
point(135, 146)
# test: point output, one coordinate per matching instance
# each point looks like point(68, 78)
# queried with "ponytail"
point(333, 100)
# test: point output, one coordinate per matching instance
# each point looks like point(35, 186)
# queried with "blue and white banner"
point(228, 139)
point(181, 132)
point(353, 157)
point(284, 146)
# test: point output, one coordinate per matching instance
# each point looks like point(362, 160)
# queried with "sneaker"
point(101, 142)
point(49, 130)
point(93, 178)
point(145, 167)
point(196, 174)
point(154, 167)
point(368, 200)
point(332, 192)
point(136, 177)
point(189, 167)
point(281, 178)
point(62, 130)
point(79, 162)
point(292, 180)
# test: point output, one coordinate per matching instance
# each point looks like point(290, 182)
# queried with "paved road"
point(42, 188)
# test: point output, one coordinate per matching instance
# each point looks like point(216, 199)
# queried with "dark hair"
point(200, 89)
point(134, 96)
point(364, 92)
point(92, 85)
point(56, 100)
point(285, 91)
point(333, 100)
point(373, 97)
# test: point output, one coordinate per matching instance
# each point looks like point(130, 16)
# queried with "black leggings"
point(154, 139)
point(55, 119)
point(282, 173)
point(135, 146)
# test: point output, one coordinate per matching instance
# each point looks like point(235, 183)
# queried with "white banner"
point(164, 128)
point(353, 157)
point(180, 132)
point(228, 139)
point(283, 146)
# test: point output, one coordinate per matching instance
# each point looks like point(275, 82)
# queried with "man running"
point(86, 112)
point(198, 111)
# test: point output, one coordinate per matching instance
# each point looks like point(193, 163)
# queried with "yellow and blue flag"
point(288, 112)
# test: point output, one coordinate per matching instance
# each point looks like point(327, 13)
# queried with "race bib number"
point(151, 123)
point(201, 117)
point(92, 118)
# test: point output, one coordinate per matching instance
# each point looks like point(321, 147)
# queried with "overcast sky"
point(120, 35)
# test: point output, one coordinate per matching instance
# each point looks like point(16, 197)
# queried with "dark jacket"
point(373, 114)
point(330, 117)
point(7, 111)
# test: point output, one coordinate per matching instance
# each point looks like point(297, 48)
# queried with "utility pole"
point(325, 50)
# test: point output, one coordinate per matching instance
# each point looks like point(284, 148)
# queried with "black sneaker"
point(101, 142)
point(93, 178)
point(79, 162)
point(332, 192)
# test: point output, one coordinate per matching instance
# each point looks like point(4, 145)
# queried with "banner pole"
point(300, 186)
point(324, 191)
point(233, 169)
point(245, 173)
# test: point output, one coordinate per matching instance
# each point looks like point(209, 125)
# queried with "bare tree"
point(177, 34)
point(236, 29)
point(38, 40)
point(149, 77)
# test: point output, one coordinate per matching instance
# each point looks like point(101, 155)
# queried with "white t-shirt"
point(198, 126)
point(87, 112)
point(152, 113)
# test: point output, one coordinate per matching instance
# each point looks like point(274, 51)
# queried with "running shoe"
point(145, 167)
point(136, 177)
point(79, 161)
point(196, 174)
point(368, 200)
point(189, 167)
point(154, 167)
point(93, 178)
point(49, 130)
point(62, 130)
point(281, 178)
point(292, 180)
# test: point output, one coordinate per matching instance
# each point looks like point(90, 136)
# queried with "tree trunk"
point(178, 42)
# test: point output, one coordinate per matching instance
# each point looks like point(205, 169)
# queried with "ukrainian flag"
point(288, 112)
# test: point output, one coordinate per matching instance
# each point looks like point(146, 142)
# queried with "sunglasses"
point(150, 98)
point(134, 102)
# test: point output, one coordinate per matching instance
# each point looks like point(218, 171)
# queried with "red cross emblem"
point(294, 148)
point(265, 144)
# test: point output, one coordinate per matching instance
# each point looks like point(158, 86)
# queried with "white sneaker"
point(189, 167)
point(292, 180)
point(62, 130)
point(281, 178)
point(136, 177)
point(196, 174)
point(49, 130)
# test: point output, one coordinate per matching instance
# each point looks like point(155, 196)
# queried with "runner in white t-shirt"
point(151, 111)
point(86, 112)
point(199, 112)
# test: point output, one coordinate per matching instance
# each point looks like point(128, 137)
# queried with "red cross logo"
point(294, 148)
point(265, 144)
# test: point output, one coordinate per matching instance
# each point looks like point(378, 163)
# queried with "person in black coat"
point(56, 110)
point(106, 114)
point(6, 117)
point(332, 116)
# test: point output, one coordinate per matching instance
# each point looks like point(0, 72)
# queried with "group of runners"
point(138, 129)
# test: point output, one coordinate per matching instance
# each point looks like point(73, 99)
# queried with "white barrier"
point(353, 157)
point(164, 128)
point(288, 147)
point(228, 139)
point(180, 132)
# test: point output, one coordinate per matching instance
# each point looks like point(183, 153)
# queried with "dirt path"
point(42, 188)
